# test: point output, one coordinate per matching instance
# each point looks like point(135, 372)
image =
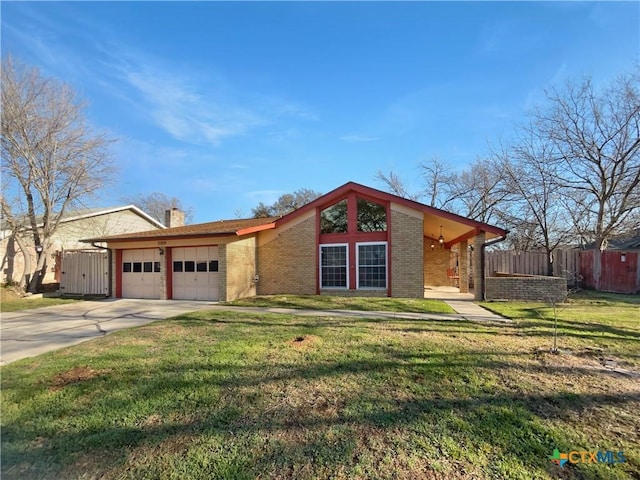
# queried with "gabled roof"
point(340, 192)
point(467, 226)
point(81, 214)
point(219, 228)
point(95, 212)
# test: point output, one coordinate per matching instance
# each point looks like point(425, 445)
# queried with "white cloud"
point(185, 110)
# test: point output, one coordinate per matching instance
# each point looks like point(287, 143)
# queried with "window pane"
point(334, 218)
point(213, 265)
point(333, 266)
point(126, 267)
point(371, 217)
point(148, 267)
point(201, 266)
point(189, 266)
point(156, 267)
point(372, 266)
point(137, 267)
point(177, 266)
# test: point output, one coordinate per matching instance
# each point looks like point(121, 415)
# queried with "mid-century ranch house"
point(355, 240)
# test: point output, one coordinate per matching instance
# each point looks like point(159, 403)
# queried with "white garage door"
point(141, 273)
point(195, 273)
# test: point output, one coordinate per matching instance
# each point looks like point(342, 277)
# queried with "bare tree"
point(157, 203)
point(530, 169)
point(396, 186)
point(285, 204)
point(597, 136)
point(439, 182)
point(479, 192)
point(51, 159)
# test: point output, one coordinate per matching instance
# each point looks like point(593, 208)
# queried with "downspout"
point(482, 261)
point(109, 269)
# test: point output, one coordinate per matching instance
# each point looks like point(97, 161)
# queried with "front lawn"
point(326, 302)
point(215, 394)
point(606, 323)
point(11, 302)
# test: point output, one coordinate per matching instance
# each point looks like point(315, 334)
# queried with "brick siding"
point(287, 262)
point(354, 293)
point(436, 263)
point(407, 256)
point(238, 270)
point(533, 288)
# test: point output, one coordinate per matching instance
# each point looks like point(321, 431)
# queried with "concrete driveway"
point(31, 332)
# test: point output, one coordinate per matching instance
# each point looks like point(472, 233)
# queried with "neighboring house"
point(72, 227)
point(354, 240)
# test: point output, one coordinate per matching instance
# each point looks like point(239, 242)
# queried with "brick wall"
point(239, 269)
point(533, 288)
point(354, 293)
point(478, 274)
point(463, 267)
point(407, 256)
point(222, 272)
point(287, 259)
point(436, 263)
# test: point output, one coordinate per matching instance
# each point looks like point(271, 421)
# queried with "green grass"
point(234, 395)
point(324, 302)
point(607, 323)
point(26, 303)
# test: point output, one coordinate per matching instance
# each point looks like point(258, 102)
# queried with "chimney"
point(174, 218)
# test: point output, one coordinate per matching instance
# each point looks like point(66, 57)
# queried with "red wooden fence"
point(619, 271)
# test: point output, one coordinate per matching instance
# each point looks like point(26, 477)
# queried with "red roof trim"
point(257, 228)
point(462, 238)
point(343, 190)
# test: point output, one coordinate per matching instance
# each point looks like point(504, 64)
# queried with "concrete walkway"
point(27, 333)
point(463, 304)
point(465, 310)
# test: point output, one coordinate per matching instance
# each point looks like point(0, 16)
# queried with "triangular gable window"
point(372, 217)
point(333, 219)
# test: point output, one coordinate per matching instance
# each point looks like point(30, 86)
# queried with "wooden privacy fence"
point(619, 271)
point(566, 263)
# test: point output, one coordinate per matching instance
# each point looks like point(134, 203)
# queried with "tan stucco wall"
point(287, 258)
point(407, 257)
point(237, 269)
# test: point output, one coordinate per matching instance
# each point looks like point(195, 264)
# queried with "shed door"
point(195, 273)
point(141, 273)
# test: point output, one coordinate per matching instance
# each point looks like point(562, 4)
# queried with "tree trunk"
point(549, 263)
point(35, 285)
point(597, 263)
point(27, 262)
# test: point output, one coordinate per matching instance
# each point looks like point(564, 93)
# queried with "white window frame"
point(386, 265)
point(346, 247)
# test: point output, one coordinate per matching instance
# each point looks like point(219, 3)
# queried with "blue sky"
point(225, 105)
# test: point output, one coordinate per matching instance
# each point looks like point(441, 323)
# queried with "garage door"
point(141, 273)
point(195, 273)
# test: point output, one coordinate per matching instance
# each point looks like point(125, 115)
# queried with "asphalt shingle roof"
point(221, 227)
